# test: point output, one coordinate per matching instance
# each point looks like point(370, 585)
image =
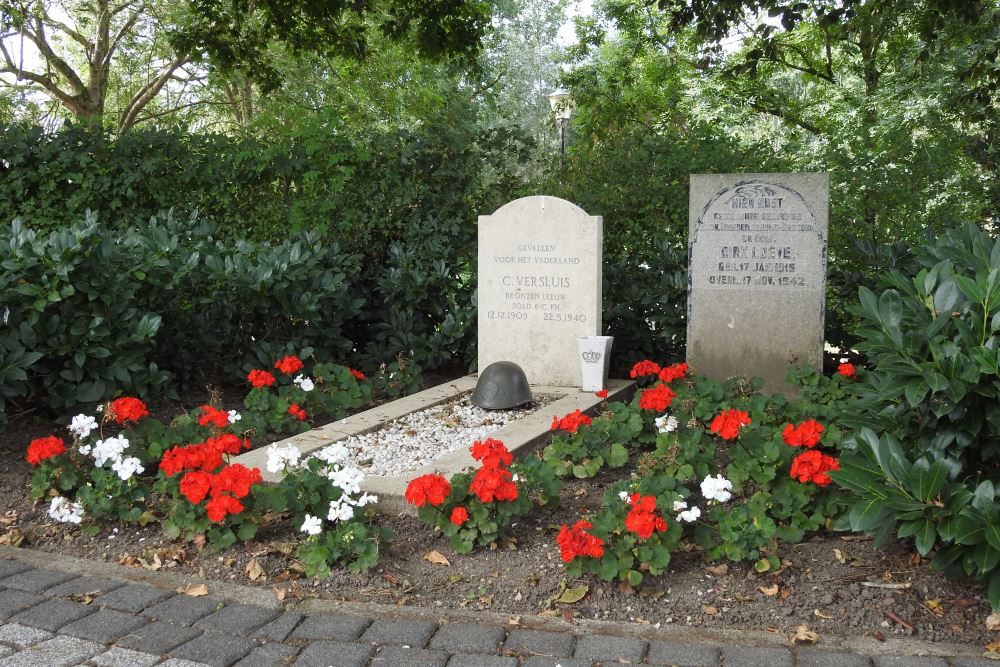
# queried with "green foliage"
point(398, 378)
point(925, 461)
point(592, 446)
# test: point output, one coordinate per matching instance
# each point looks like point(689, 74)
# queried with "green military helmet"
point(501, 386)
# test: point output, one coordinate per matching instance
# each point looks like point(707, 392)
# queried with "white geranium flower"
point(335, 453)
point(64, 511)
point(366, 499)
point(109, 449)
point(305, 384)
point(82, 425)
point(844, 360)
point(340, 511)
point(127, 467)
point(84, 449)
point(234, 416)
point(277, 459)
point(313, 525)
point(689, 516)
point(680, 505)
point(348, 479)
point(716, 488)
point(623, 495)
point(666, 423)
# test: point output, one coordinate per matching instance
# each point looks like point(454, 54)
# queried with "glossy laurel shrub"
point(929, 464)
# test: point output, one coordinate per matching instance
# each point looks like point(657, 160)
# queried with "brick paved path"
point(54, 617)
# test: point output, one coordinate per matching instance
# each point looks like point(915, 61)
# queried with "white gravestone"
point(756, 274)
point(540, 262)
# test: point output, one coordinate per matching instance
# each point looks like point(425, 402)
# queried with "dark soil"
point(822, 583)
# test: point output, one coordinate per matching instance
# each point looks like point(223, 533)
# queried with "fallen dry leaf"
point(818, 614)
point(719, 570)
point(879, 635)
point(12, 538)
point(709, 609)
point(573, 595)
point(803, 635)
point(892, 617)
point(839, 555)
point(196, 590)
point(769, 591)
point(993, 621)
point(254, 570)
point(83, 598)
point(279, 593)
point(993, 647)
point(437, 558)
point(935, 607)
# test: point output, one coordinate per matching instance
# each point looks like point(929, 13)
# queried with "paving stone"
point(269, 655)
point(84, 585)
point(972, 662)
point(466, 660)
point(827, 658)
point(214, 649)
point(5, 651)
point(341, 654)
point(182, 609)
point(238, 619)
point(609, 649)
point(682, 654)
point(468, 638)
point(536, 642)
point(20, 636)
point(278, 629)
point(105, 625)
point(909, 661)
point(55, 652)
point(177, 662)
point(53, 614)
point(393, 656)
point(36, 581)
point(123, 657)
point(547, 661)
point(9, 567)
point(158, 637)
point(12, 602)
point(399, 632)
point(340, 627)
point(133, 598)
point(751, 656)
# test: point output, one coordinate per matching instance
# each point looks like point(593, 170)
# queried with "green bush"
point(926, 464)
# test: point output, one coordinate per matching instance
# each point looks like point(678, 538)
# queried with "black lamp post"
point(561, 102)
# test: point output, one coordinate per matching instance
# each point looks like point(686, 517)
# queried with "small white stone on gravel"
point(417, 439)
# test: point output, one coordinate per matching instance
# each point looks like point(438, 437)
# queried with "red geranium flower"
point(195, 486)
point(220, 506)
point(812, 466)
point(358, 375)
point(601, 394)
point(126, 409)
point(675, 372)
point(847, 370)
point(205, 456)
point(297, 412)
point(459, 515)
point(576, 541)
point(728, 423)
point(571, 422)
point(427, 489)
point(45, 448)
point(259, 378)
point(657, 398)
point(645, 367)
point(806, 434)
point(491, 452)
point(211, 415)
point(491, 484)
point(237, 479)
point(289, 364)
point(642, 518)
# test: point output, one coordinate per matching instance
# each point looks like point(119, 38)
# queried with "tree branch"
point(42, 80)
point(147, 93)
point(61, 66)
point(59, 25)
point(783, 114)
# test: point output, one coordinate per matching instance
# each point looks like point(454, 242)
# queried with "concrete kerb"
point(521, 436)
point(228, 592)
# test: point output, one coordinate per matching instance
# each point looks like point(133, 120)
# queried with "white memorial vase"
point(595, 357)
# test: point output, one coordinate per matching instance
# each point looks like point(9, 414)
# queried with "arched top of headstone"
point(542, 204)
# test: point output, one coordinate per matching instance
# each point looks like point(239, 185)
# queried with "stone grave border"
point(521, 436)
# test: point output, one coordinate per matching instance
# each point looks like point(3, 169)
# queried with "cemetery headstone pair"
point(756, 280)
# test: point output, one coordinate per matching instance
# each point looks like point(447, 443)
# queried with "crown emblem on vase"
point(591, 357)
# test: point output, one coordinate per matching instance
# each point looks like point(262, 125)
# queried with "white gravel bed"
point(416, 439)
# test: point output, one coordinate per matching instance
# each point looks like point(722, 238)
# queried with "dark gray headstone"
point(756, 274)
